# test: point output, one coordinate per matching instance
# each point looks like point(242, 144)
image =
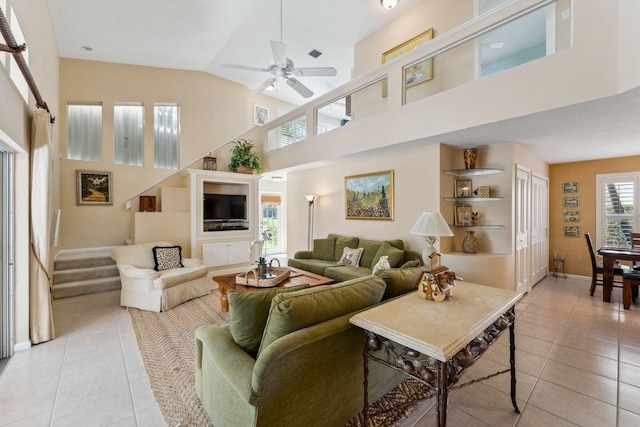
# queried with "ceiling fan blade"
point(264, 85)
point(244, 67)
point(279, 51)
point(318, 71)
point(299, 87)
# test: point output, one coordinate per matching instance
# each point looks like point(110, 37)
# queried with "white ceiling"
point(201, 35)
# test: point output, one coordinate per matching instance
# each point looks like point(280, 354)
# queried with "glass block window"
point(84, 132)
point(128, 125)
point(166, 130)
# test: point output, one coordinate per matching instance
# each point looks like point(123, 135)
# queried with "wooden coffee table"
point(296, 277)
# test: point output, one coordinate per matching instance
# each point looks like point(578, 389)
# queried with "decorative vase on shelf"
point(470, 243)
point(470, 155)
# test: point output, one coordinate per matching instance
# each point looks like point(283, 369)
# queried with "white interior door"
point(539, 228)
point(522, 222)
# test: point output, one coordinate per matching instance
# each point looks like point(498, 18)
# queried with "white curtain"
point(40, 313)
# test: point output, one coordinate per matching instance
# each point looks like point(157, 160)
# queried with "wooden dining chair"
point(597, 270)
point(630, 283)
point(635, 244)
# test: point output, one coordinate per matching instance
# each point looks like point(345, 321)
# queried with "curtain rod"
point(16, 50)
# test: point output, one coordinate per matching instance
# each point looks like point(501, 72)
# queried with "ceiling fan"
point(282, 68)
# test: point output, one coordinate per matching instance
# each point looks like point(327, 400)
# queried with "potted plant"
point(243, 157)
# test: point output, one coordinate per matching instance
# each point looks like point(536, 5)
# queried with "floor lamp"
point(311, 198)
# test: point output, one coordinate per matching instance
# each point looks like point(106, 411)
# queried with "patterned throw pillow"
point(351, 256)
point(166, 257)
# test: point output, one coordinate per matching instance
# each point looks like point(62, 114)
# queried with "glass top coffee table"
point(296, 277)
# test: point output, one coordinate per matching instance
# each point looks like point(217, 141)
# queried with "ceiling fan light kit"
point(389, 4)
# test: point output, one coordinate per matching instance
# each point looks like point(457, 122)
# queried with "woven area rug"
point(166, 343)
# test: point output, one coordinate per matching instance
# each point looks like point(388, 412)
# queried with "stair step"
point(86, 273)
point(84, 287)
point(71, 260)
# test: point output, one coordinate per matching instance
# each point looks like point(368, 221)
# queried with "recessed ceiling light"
point(86, 48)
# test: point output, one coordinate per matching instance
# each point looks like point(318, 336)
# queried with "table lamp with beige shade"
point(432, 226)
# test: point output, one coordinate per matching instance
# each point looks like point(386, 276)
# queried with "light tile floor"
point(578, 362)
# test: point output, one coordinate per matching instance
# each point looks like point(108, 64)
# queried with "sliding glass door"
point(6, 255)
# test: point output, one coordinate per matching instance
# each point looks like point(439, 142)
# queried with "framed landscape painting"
point(417, 73)
point(369, 196)
point(94, 188)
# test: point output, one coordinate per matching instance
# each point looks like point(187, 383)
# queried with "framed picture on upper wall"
point(94, 188)
point(369, 196)
point(260, 115)
point(414, 74)
point(570, 187)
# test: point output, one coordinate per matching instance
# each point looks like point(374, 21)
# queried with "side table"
point(435, 332)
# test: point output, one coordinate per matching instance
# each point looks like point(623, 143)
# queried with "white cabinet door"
point(214, 255)
point(221, 254)
point(238, 252)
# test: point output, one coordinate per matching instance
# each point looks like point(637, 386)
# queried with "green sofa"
point(308, 368)
point(326, 253)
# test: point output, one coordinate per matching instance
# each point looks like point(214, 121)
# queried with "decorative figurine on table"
point(436, 284)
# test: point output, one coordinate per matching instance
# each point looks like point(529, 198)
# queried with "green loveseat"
point(308, 370)
point(326, 253)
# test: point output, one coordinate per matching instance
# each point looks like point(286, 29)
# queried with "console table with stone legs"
point(440, 339)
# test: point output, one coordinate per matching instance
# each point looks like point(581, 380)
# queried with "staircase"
point(79, 273)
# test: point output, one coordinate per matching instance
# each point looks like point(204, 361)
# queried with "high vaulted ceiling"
point(203, 34)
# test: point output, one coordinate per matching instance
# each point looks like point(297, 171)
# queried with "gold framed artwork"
point(369, 196)
point(93, 188)
point(571, 216)
point(570, 202)
point(571, 231)
point(417, 73)
point(570, 187)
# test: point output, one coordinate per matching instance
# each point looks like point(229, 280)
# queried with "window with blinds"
point(618, 210)
point(271, 219)
point(84, 132)
point(292, 132)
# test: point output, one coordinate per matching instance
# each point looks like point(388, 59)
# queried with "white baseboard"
point(21, 346)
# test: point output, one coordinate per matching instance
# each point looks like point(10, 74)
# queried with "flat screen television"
point(224, 207)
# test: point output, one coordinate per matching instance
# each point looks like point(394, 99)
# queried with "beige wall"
point(416, 189)
point(212, 111)
point(576, 256)
point(15, 124)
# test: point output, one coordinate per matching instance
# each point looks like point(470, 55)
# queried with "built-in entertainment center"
point(223, 212)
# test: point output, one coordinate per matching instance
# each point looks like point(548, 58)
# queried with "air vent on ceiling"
point(315, 53)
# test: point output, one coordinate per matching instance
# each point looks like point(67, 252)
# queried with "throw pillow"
point(291, 312)
point(394, 254)
point(400, 280)
point(410, 264)
point(351, 256)
point(249, 312)
point(344, 242)
point(166, 257)
point(323, 249)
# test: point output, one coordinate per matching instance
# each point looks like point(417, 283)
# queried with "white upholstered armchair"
point(148, 289)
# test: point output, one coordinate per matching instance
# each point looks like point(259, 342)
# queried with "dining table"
point(609, 257)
